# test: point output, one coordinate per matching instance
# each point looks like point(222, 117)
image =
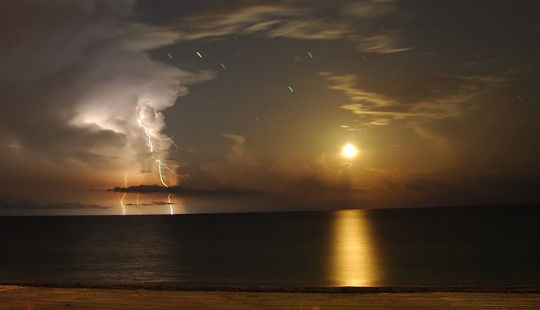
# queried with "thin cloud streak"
point(297, 20)
point(384, 105)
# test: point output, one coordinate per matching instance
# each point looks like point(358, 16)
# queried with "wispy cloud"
point(358, 22)
point(233, 19)
point(312, 29)
point(387, 43)
point(381, 102)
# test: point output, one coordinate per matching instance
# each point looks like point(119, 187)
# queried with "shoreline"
point(285, 289)
point(50, 298)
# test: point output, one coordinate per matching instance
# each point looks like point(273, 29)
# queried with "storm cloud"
point(77, 87)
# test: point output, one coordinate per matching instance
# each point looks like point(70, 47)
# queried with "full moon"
point(349, 151)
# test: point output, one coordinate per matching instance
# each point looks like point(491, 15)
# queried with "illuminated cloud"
point(233, 19)
point(313, 29)
point(79, 81)
point(241, 168)
point(383, 101)
point(354, 22)
point(370, 8)
point(387, 43)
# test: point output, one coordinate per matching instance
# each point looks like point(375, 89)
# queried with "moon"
point(349, 151)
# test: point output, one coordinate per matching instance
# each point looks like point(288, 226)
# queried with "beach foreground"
point(42, 298)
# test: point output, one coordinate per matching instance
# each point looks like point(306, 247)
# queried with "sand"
point(46, 298)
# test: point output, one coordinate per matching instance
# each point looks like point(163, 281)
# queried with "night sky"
point(441, 98)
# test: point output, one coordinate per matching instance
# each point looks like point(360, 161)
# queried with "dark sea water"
point(476, 246)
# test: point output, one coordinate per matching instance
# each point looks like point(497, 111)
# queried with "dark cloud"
point(21, 205)
point(467, 189)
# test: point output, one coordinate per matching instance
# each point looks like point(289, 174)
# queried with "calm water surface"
point(407, 247)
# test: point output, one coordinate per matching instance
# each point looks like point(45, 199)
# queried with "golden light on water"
point(349, 151)
point(354, 260)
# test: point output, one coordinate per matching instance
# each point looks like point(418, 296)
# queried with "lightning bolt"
point(172, 141)
point(161, 173)
point(147, 135)
point(138, 194)
point(171, 210)
point(124, 185)
point(169, 169)
point(122, 204)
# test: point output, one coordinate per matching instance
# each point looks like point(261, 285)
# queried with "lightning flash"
point(171, 210)
point(147, 135)
point(161, 173)
point(171, 140)
point(124, 185)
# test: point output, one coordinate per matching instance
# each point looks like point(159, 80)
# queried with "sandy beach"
point(46, 298)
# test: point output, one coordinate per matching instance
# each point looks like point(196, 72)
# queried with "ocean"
point(461, 246)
